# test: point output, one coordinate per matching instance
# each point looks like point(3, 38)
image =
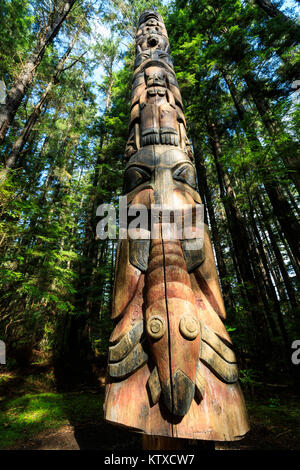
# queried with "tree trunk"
point(278, 256)
point(18, 90)
point(271, 10)
point(206, 194)
point(288, 222)
point(240, 240)
point(275, 130)
point(22, 139)
point(265, 270)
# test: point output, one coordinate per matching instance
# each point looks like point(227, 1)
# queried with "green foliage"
point(274, 402)
point(16, 21)
point(34, 413)
point(283, 418)
point(56, 277)
point(248, 377)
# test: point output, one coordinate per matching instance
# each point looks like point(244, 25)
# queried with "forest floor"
point(36, 415)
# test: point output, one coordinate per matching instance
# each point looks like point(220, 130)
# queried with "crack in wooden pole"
point(172, 372)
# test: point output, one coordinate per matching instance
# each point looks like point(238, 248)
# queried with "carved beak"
point(179, 393)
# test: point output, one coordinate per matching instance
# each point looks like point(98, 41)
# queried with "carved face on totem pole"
point(172, 370)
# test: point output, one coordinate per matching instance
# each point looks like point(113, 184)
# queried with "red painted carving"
point(172, 370)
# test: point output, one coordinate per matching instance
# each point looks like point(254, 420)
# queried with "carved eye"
point(186, 174)
point(135, 176)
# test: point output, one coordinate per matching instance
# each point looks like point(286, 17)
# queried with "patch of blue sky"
point(102, 31)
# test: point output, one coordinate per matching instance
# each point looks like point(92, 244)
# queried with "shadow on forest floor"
point(96, 434)
point(46, 408)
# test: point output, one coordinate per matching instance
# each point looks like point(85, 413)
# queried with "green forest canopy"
point(66, 70)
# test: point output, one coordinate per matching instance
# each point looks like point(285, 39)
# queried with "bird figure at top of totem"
point(172, 369)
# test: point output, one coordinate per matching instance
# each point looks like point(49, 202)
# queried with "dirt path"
point(102, 436)
point(274, 419)
point(90, 436)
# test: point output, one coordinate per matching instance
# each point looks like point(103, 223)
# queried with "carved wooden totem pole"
point(172, 371)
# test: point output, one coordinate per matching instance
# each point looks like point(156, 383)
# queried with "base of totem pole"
point(171, 443)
